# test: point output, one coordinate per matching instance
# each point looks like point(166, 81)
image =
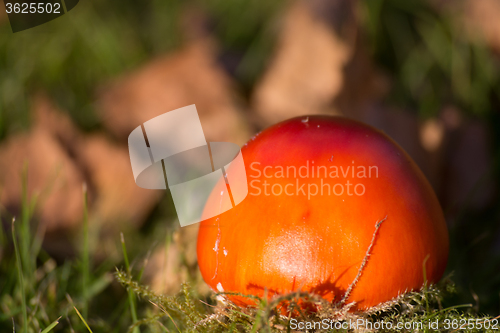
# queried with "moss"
point(416, 311)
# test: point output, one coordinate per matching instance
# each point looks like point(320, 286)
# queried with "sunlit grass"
point(65, 296)
point(409, 310)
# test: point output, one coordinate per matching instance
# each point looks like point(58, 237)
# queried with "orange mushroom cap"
point(284, 237)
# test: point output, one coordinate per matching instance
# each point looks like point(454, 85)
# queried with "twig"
point(363, 264)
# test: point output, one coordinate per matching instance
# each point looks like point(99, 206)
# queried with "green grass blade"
point(85, 253)
point(131, 296)
point(167, 247)
point(141, 272)
point(99, 284)
point(51, 326)
point(125, 256)
point(83, 320)
point(20, 278)
point(24, 230)
point(3, 238)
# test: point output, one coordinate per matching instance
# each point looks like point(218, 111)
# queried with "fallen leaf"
point(118, 203)
point(51, 176)
point(169, 267)
point(188, 76)
point(306, 72)
point(481, 20)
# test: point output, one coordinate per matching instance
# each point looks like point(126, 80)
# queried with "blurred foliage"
point(72, 56)
point(430, 59)
point(246, 31)
point(34, 288)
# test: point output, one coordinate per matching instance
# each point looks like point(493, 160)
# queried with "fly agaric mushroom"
point(335, 208)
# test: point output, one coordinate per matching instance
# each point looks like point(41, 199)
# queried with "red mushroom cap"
point(284, 237)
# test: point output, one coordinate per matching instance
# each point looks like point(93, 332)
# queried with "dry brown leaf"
point(481, 18)
point(52, 175)
point(169, 267)
point(118, 202)
point(60, 160)
point(189, 76)
point(53, 120)
point(306, 73)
